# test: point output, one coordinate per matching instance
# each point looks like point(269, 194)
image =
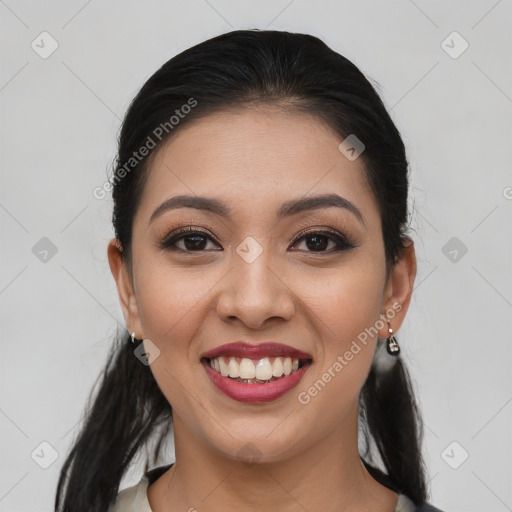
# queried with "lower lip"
point(255, 392)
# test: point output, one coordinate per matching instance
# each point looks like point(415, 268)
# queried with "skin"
point(315, 300)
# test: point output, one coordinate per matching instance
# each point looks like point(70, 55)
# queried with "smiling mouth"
point(255, 371)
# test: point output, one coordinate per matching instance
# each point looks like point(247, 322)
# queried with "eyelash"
point(343, 243)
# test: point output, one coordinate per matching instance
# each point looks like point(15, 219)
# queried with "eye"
point(318, 241)
point(193, 240)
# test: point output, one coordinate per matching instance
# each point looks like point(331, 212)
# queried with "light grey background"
point(59, 121)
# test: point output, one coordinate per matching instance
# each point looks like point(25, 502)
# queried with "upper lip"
point(249, 351)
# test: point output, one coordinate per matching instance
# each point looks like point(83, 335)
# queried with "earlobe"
point(399, 288)
point(125, 290)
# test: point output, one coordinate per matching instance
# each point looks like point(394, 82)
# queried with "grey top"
point(135, 498)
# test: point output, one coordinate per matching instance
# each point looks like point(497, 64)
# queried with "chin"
point(251, 447)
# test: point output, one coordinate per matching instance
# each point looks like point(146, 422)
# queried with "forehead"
point(253, 158)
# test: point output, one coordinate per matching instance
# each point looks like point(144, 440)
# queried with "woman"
point(263, 267)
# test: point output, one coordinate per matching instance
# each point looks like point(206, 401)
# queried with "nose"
point(254, 294)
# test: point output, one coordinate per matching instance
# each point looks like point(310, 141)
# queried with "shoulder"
point(405, 504)
point(132, 499)
point(135, 498)
point(428, 508)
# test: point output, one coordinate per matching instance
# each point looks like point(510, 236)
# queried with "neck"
point(326, 476)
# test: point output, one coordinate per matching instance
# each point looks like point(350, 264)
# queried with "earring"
point(133, 338)
point(392, 344)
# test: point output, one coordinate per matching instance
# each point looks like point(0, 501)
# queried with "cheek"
point(345, 311)
point(174, 311)
point(347, 302)
point(168, 300)
point(169, 306)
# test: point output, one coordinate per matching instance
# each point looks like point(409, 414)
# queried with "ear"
point(125, 291)
point(398, 292)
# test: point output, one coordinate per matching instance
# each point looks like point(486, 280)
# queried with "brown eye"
point(191, 239)
point(318, 241)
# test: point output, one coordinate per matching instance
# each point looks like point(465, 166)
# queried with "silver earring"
point(392, 344)
point(134, 339)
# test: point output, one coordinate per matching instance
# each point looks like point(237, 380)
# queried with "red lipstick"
point(269, 349)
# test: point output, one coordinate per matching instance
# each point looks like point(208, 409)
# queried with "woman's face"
point(257, 273)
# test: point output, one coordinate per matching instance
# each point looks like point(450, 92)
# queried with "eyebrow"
point(287, 209)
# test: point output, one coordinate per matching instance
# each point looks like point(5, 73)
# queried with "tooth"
point(287, 365)
point(247, 369)
point(233, 368)
point(277, 367)
point(264, 369)
point(224, 369)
